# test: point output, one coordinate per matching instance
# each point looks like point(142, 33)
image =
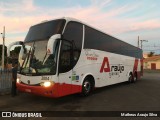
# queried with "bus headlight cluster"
point(47, 83)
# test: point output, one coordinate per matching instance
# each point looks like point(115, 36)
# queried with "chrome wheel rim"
point(130, 78)
point(135, 78)
point(87, 86)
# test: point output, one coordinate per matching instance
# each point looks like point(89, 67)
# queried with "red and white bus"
point(66, 56)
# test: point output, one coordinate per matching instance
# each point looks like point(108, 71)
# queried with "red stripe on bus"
point(57, 90)
point(135, 65)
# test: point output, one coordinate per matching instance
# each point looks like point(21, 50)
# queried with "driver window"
point(65, 57)
point(74, 33)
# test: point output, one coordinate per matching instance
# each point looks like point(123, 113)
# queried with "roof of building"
point(153, 58)
point(145, 55)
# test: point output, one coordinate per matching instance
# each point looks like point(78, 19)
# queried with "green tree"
point(17, 49)
point(151, 54)
point(5, 54)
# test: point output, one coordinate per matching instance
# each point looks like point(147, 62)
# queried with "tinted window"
point(100, 41)
point(65, 57)
point(45, 30)
point(74, 32)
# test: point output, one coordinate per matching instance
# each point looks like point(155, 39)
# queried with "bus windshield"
point(45, 30)
point(37, 61)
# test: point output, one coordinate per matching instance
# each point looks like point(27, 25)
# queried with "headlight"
point(18, 80)
point(47, 83)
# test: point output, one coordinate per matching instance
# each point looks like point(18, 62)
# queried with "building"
point(145, 55)
point(152, 62)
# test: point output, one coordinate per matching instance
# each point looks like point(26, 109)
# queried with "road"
point(144, 95)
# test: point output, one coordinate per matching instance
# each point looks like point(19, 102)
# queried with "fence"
point(5, 80)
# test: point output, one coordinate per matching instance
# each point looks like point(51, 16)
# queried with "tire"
point(135, 77)
point(87, 87)
point(130, 79)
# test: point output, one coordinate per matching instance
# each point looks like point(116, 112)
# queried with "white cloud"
point(19, 15)
point(15, 6)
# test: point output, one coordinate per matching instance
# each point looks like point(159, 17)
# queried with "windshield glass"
point(45, 30)
point(37, 61)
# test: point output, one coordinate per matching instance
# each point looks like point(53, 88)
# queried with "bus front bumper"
point(39, 90)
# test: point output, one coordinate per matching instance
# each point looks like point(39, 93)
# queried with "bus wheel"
point(135, 77)
point(130, 79)
point(86, 87)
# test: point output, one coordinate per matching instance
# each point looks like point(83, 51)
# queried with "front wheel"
point(86, 87)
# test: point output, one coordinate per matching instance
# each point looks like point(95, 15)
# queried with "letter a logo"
point(105, 65)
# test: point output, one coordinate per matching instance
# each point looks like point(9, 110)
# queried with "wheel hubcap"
point(130, 78)
point(87, 87)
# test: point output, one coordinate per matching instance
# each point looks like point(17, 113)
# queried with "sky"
point(123, 19)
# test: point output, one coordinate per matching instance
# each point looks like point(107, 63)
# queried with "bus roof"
point(76, 20)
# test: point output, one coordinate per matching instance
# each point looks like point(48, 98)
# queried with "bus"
point(66, 56)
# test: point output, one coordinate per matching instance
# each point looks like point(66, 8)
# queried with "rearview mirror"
point(17, 43)
point(51, 41)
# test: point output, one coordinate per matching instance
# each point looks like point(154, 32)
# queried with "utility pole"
point(142, 42)
point(3, 49)
point(138, 42)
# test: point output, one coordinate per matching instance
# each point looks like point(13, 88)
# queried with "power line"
point(151, 50)
point(151, 46)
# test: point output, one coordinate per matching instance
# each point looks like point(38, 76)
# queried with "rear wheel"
point(135, 77)
point(130, 79)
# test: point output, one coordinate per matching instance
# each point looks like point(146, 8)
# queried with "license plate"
point(28, 90)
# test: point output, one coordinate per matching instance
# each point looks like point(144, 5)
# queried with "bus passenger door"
point(65, 68)
point(70, 52)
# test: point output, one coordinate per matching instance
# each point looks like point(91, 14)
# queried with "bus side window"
point(65, 57)
point(76, 54)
